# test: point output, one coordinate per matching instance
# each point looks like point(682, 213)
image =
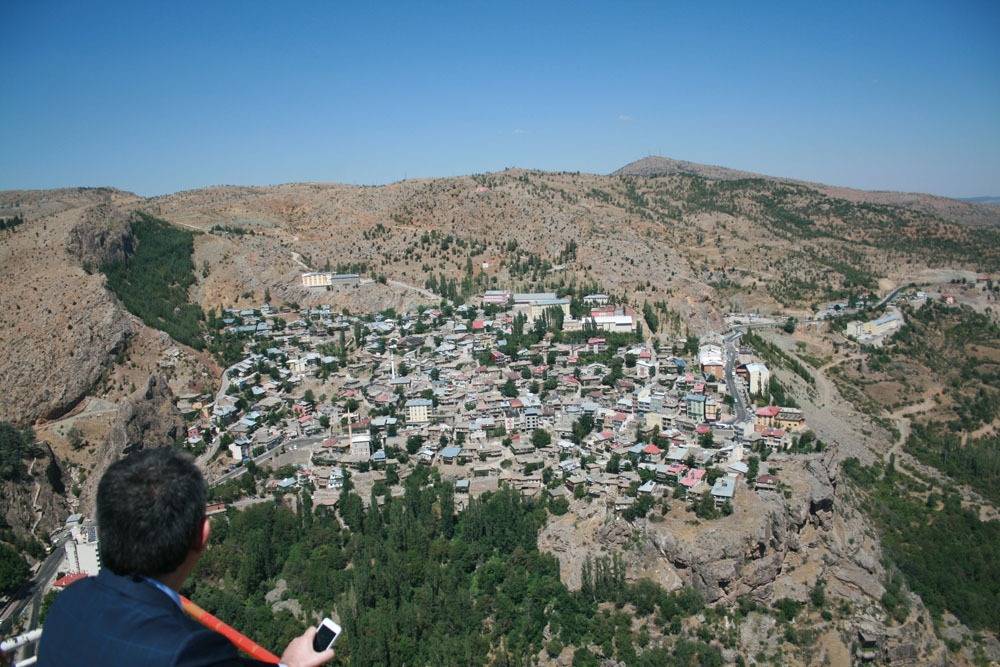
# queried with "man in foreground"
point(153, 530)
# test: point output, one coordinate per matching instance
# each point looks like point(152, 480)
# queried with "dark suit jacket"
point(113, 621)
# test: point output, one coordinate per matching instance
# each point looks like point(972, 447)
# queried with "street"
point(203, 460)
point(31, 593)
point(736, 390)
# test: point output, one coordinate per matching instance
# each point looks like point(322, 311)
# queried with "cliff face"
point(784, 545)
point(33, 502)
point(102, 236)
point(147, 419)
point(60, 329)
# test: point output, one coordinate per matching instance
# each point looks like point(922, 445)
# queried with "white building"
point(418, 410)
point(327, 279)
point(317, 279)
point(361, 447)
point(759, 378)
point(711, 360)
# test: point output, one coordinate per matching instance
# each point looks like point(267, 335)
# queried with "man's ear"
point(203, 534)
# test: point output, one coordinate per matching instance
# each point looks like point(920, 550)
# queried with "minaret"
point(392, 364)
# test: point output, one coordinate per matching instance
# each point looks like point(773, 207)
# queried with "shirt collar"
point(169, 592)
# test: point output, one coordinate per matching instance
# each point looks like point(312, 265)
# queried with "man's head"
point(151, 513)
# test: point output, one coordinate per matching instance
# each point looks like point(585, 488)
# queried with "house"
point(450, 454)
point(766, 483)
point(650, 452)
point(418, 410)
point(648, 489)
point(724, 490)
point(692, 479)
point(790, 419)
point(766, 417)
point(711, 360)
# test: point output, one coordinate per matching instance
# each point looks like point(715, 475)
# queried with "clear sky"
point(157, 97)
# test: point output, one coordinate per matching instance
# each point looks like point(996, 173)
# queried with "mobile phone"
point(326, 634)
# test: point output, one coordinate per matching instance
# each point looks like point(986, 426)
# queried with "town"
point(512, 391)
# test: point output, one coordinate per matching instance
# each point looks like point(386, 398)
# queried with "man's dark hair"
point(150, 506)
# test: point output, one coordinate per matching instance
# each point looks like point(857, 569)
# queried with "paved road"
point(731, 347)
point(31, 593)
point(203, 460)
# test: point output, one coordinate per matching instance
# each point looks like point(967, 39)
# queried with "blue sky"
point(157, 97)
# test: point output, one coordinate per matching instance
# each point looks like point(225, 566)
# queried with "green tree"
point(13, 569)
point(509, 389)
point(541, 438)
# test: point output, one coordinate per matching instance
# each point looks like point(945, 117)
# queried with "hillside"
point(976, 210)
point(696, 246)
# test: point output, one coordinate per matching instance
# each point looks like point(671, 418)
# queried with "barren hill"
point(976, 211)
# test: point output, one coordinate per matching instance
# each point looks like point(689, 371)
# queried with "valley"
point(626, 411)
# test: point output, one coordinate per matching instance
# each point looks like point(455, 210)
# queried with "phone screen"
point(323, 638)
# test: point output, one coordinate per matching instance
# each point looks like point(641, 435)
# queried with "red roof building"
point(63, 582)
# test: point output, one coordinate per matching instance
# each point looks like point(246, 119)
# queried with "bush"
point(558, 506)
point(787, 609)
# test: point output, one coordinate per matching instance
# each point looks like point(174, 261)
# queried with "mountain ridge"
point(974, 210)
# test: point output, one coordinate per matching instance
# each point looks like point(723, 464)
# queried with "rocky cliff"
point(33, 506)
point(60, 329)
point(148, 418)
point(102, 236)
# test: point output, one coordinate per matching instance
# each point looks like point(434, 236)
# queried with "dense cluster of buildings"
point(608, 415)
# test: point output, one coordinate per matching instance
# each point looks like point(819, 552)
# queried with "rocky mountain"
point(36, 504)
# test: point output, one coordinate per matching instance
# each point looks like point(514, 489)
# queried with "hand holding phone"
point(313, 647)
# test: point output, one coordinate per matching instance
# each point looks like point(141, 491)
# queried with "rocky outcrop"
point(732, 558)
point(32, 502)
point(147, 419)
point(102, 236)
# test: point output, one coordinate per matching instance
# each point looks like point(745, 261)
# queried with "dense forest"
point(153, 283)
point(415, 584)
point(947, 555)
